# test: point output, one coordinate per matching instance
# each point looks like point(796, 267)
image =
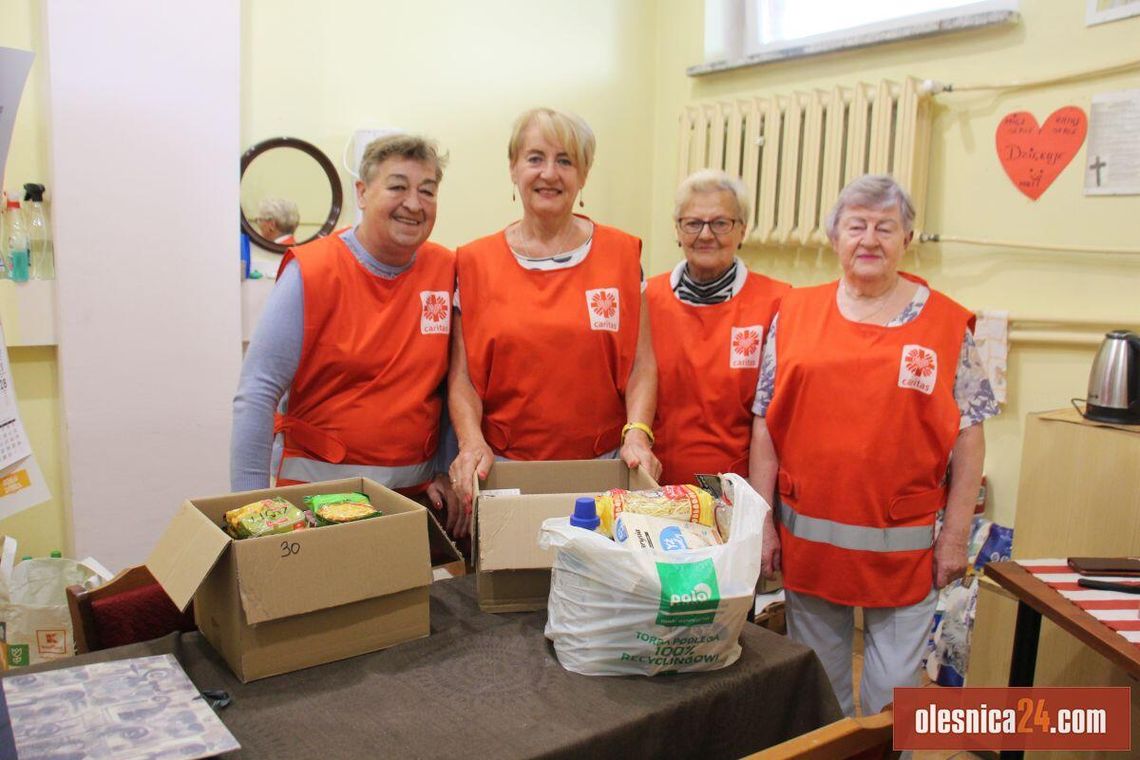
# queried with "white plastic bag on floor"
point(35, 625)
point(613, 611)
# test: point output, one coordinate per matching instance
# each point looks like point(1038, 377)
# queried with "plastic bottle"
point(245, 260)
point(16, 235)
point(585, 514)
point(42, 263)
point(57, 554)
point(3, 236)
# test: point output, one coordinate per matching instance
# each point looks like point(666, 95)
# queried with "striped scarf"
point(718, 290)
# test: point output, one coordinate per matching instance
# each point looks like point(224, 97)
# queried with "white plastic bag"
point(35, 625)
point(613, 611)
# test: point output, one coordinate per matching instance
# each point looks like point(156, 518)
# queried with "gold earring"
point(513, 194)
point(581, 203)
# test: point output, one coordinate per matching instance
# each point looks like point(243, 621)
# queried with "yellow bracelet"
point(638, 426)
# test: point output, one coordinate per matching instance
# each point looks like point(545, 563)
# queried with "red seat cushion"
point(138, 615)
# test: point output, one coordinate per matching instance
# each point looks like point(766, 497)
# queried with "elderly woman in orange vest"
point(870, 389)
point(552, 357)
point(348, 360)
point(709, 318)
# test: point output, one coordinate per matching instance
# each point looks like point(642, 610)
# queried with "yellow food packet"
point(685, 503)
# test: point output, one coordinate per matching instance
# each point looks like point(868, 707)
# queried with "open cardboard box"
point(513, 571)
point(280, 603)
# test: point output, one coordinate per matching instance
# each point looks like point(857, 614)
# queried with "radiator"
point(796, 152)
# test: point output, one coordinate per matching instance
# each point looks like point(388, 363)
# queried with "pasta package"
point(264, 518)
point(685, 503)
point(634, 531)
point(338, 508)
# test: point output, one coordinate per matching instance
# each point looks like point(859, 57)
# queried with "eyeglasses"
point(719, 226)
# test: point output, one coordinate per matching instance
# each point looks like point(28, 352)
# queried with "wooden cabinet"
point(1079, 495)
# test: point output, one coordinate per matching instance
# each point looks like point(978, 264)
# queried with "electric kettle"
point(1114, 381)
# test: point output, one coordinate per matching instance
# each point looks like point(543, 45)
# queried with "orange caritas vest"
point(708, 360)
point(863, 419)
point(550, 352)
point(366, 393)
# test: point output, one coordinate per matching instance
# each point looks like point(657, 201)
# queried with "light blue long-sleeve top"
point(271, 362)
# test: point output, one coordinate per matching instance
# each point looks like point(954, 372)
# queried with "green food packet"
point(321, 499)
point(338, 508)
point(264, 518)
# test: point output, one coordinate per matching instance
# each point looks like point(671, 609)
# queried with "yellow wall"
point(969, 194)
point(34, 370)
point(461, 71)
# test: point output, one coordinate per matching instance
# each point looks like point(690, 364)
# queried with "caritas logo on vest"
point(744, 350)
point(435, 315)
point(604, 309)
point(918, 368)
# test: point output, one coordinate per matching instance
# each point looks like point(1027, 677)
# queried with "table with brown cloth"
point(484, 685)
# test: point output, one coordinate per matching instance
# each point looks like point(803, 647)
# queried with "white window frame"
point(732, 33)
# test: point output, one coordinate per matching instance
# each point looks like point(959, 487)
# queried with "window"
point(741, 32)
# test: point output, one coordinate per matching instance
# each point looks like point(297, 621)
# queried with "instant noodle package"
point(264, 518)
point(340, 508)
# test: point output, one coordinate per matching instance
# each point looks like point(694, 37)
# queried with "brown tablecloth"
point(486, 685)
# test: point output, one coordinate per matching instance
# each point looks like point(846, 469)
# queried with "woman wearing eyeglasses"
point(551, 358)
point(709, 318)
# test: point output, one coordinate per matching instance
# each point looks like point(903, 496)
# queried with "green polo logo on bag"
point(689, 593)
point(18, 655)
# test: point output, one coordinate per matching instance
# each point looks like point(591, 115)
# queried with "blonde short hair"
point(567, 129)
point(713, 181)
point(405, 146)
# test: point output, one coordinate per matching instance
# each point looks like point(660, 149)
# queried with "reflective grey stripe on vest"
point(311, 471)
point(856, 536)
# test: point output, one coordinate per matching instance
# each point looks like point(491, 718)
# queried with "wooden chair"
point(868, 738)
point(130, 607)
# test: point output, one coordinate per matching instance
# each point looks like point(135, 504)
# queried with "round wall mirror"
point(286, 182)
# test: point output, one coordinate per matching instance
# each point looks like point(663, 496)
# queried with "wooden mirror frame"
point(325, 164)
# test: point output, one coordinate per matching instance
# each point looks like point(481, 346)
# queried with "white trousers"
point(894, 639)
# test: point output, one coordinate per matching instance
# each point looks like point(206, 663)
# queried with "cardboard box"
point(280, 603)
point(514, 572)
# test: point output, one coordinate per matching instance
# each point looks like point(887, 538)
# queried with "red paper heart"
point(1032, 156)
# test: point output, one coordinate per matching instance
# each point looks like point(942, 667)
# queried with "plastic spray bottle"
point(3, 235)
point(17, 242)
point(42, 261)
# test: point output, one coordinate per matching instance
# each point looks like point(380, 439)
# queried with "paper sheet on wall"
point(22, 483)
point(14, 67)
point(22, 486)
point(14, 444)
point(1112, 158)
point(1103, 11)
